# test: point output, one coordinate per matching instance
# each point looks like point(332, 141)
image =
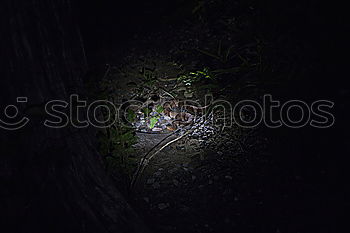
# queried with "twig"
point(167, 92)
point(144, 158)
point(107, 71)
point(142, 167)
point(167, 144)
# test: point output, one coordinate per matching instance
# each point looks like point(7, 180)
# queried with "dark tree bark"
point(52, 180)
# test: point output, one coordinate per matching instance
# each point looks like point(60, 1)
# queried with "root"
point(145, 160)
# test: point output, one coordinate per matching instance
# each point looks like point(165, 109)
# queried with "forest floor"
point(188, 189)
point(230, 179)
point(199, 183)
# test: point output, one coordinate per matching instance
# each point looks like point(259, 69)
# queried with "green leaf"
point(146, 111)
point(159, 109)
point(131, 116)
point(153, 122)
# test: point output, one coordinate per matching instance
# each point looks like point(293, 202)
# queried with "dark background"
point(319, 156)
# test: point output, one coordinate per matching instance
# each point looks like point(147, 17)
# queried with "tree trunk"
point(52, 180)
